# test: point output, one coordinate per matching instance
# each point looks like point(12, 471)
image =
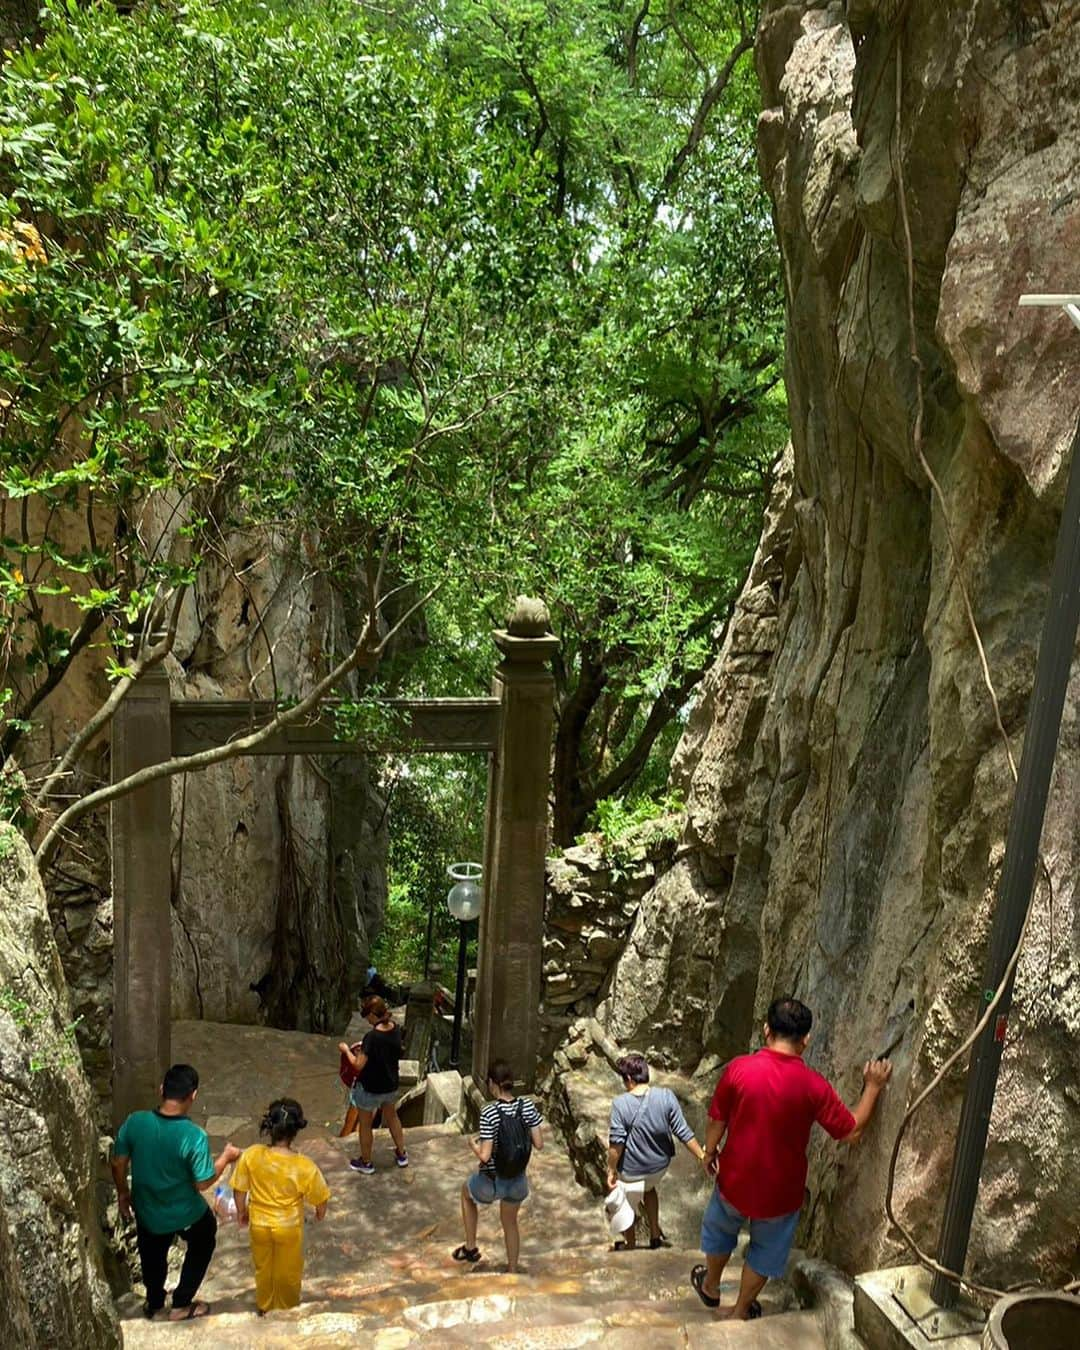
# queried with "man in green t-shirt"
point(170, 1162)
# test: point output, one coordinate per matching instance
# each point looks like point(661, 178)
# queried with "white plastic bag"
point(224, 1202)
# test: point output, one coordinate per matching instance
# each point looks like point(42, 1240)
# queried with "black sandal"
point(753, 1311)
point(464, 1253)
point(697, 1279)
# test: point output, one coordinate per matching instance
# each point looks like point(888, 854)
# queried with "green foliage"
point(627, 828)
point(368, 721)
point(436, 806)
point(619, 817)
point(632, 469)
point(12, 802)
point(250, 279)
point(472, 296)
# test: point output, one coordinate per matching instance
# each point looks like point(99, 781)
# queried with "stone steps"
point(498, 1323)
point(379, 1267)
point(532, 1309)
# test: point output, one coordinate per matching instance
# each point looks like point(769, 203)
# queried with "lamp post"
point(463, 902)
point(1019, 865)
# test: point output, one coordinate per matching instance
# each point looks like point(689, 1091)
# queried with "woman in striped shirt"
point(509, 1131)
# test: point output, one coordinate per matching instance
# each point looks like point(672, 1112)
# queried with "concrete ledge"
point(443, 1097)
point(472, 1103)
point(883, 1324)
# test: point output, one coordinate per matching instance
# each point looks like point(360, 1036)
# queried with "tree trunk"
point(572, 800)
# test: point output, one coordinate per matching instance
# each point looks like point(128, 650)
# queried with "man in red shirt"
point(766, 1105)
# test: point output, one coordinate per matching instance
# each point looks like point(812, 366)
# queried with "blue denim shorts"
point(370, 1101)
point(485, 1187)
point(770, 1239)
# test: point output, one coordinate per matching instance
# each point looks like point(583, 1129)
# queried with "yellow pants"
point(278, 1256)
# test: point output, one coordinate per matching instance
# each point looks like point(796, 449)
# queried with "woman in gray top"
point(645, 1121)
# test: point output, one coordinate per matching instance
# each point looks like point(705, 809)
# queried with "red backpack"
point(346, 1072)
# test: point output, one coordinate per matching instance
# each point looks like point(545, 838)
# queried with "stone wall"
point(52, 1290)
point(847, 788)
point(591, 899)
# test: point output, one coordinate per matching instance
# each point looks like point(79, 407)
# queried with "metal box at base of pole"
point(894, 1311)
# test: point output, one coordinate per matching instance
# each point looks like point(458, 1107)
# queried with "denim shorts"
point(370, 1101)
point(485, 1187)
point(770, 1239)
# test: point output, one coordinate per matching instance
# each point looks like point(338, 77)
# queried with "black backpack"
point(513, 1148)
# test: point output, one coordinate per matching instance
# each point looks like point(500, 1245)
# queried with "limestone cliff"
point(278, 864)
point(52, 1291)
point(847, 788)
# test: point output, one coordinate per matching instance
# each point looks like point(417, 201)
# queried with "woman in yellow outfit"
point(271, 1184)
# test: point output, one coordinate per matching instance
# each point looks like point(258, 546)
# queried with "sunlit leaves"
point(416, 285)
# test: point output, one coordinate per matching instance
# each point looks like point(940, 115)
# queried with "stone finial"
point(528, 618)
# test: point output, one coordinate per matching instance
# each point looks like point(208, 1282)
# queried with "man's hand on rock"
point(877, 1072)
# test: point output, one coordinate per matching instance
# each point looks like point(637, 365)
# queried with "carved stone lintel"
point(421, 726)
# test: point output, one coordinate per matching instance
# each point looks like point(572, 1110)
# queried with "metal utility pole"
point(459, 995)
point(1020, 864)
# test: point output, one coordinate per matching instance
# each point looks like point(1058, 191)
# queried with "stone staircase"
point(379, 1267)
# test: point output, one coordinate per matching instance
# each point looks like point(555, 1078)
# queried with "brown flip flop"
point(192, 1311)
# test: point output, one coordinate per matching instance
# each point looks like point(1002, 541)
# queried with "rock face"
point(278, 864)
point(846, 783)
point(52, 1291)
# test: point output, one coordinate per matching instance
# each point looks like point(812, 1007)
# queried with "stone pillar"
point(419, 1026)
point(507, 1007)
point(141, 835)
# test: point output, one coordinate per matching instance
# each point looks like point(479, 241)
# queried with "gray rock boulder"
point(52, 1290)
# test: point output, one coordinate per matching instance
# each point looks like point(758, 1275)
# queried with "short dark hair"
point(789, 1019)
point(284, 1120)
point(500, 1073)
point(179, 1083)
point(633, 1068)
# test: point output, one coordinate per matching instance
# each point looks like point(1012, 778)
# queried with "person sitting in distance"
point(509, 1131)
point(644, 1122)
point(764, 1108)
point(170, 1162)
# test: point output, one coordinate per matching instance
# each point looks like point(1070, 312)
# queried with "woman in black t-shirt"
point(376, 1061)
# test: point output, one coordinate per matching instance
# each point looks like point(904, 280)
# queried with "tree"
point(243, 287)
point(454, 301)
point(631, 494)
